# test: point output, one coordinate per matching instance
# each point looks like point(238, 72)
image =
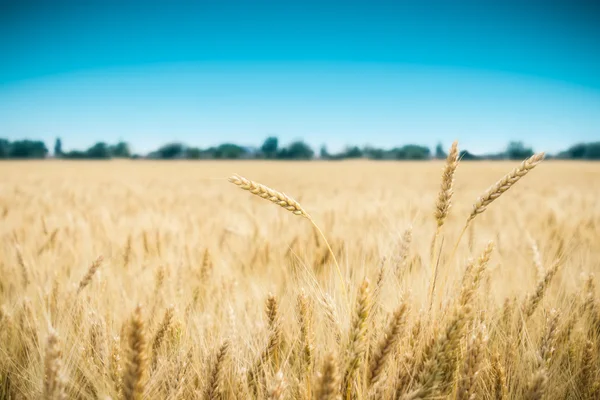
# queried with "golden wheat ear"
point(265, 192)
point(285, 201)
point(496, 190)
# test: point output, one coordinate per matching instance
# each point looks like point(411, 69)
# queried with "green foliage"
point(466, 156)
point(296, 151)
point(229, 151)
point(374, 153)
point(193, 153)
point(169, 151)
point(99, 151)
point(269, 147)
point(411, 152)
point(582, 151)
point(58, 152)
point(27, 149)
point(353, 152)
point(4, 148)
point(518, 151)
point(440, 154)
point(120, 150)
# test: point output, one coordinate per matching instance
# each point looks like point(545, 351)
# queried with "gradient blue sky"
point(335, 73)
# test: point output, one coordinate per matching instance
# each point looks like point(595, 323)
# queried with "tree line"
point(271, 150)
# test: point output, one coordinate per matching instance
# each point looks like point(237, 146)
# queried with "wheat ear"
point(444, 201)
point(285, 201)
point(386, 345)
point(214, 388)
point(90, 274)
point(357, 340)
point(327, 387)
point(54, 383)
point(496, 190)
point(133, 381)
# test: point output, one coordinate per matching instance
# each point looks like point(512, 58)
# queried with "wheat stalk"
point(386, 345)
point(54, 383)
point(215, 383)
point(135, 373)
point(90, 273)
point(358, 334)
point(327, 387)
point(161, 332)
point(443, 203)
point(285, 201)
point(498, 188)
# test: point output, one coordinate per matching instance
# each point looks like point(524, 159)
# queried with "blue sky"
point(335, 73)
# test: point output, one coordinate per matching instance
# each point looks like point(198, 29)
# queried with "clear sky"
point(329, 72)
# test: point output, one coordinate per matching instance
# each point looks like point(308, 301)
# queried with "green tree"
point(193, 153)
point(440, 154)
point(411, 152)
point(296, 151)
point(120, 150)
point(27, 149)
point(58, 152)
point(582, 151)
point(270, 146)
point(592, 151)
point(353, 152)
point(229, 151)
point(75, 155)
point(4, 148)
point(169, 151)
point(98, 151)
point(374, 153)
point(518, 151)
point(466, 156)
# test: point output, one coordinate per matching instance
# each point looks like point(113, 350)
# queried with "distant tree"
point(27, 149)
point(120, 150)
point(353, 152)
point(576, 152)
point(374, 153)
point(323, 153)
point(193, 153)
point(592, 152)
point(269, 147)
point(296, 151)
point(58, 152)
point(4, 148)
point(75, 155)
point(440, 154)
point(98, 151)
point(411, 152)
point(170, 151)
point(582, 151)
point(466, 156)
point(229, 151)
point(518, 151)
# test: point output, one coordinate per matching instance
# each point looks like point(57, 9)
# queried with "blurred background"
point(299, 80)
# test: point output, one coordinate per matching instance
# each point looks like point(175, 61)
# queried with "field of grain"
point(142, 279)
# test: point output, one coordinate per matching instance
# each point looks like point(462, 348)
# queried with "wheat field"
point(163, 280)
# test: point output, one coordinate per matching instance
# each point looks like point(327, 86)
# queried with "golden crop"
point(162, 280)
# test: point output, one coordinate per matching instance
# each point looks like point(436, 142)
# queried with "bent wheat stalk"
point(496, 190)
point(442, 206)
point(285, 201)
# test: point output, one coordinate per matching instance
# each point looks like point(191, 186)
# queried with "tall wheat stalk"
point(442, 208)
point(497, 189)
point(285, 201)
